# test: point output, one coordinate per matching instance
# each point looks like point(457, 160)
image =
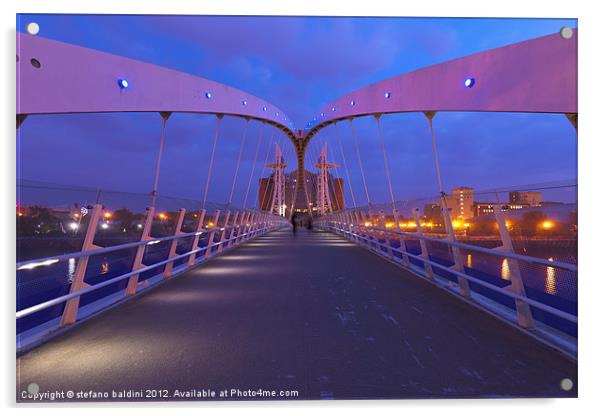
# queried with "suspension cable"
point(345, 164)
point(164, 116)
point(359, 158)
point(429, 115)
point(386, 160)
point(244, 204)
point(242, 147)
point(210, 168)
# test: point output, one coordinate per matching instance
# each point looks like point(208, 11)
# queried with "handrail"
point(554, 311)
point(544, 262)
point(124, 246)
point(56, 301)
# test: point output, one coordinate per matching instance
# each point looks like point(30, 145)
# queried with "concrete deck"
point(312, 313)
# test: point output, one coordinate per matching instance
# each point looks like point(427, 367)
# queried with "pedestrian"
point(294, 222)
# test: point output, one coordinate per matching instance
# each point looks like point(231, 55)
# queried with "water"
point(48, 282)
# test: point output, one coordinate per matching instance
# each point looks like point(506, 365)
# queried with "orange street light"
point(546, 225)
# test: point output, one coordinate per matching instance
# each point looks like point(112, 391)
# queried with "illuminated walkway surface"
point(312, 313)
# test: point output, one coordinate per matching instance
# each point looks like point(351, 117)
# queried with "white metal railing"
point(254, 224)
point(366, 235)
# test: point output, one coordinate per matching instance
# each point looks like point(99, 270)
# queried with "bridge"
point(371, 301)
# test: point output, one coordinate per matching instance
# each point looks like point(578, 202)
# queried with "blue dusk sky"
point(298, 64)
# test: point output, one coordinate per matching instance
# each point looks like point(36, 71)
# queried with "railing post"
point(402, 243)
point(349, 224)
point(424, 253)
point(458, 260)
point(197, 236)
point(174, 244)
point(366, 218)
point(233, 230)
point(212, 234)
point(523, 310)
point(355, 217)
point(246, 226)
point(240, 229)
point(222, 237)
point(146, 230)
point(72, 305)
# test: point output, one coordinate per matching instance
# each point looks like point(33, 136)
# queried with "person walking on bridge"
point(294, 222)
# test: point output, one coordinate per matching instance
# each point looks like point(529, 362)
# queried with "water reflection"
point(469, 260)
point(104, 267)
point(551, 279)
point(71, 269)
point(505, 269)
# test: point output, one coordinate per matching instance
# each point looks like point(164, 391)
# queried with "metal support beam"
point(212, 234)
point(523, 310)
point(173, 245)
point(197, 236)
point(424, 252)
point(132, 286)
point(72, 306)
point(223, 231)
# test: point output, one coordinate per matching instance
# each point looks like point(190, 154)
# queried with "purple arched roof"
point(537, 75)
point(74, 79)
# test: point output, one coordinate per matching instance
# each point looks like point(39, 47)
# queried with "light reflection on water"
point(71, 269)
point(551, 279)
point(469, 260)
point(505, 269)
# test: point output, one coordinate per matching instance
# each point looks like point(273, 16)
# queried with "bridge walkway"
point(311, 312)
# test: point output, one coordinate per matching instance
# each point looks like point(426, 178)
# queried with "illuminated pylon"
point(278, 205)
point(324, 202)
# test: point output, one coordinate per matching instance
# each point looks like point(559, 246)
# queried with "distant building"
point(335, 188)
point(486, 208)
point(432, 212)
point(525, 198)
point(460, 202)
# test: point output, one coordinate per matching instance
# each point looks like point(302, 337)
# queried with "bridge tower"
point(278, 204)
point(324, 202)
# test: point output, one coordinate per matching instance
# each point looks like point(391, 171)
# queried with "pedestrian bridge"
point(311, 312)
point(232, 298)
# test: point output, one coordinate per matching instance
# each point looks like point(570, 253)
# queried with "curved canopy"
point(56, 77)
point(537, 75)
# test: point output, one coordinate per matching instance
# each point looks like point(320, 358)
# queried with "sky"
point(298, 64)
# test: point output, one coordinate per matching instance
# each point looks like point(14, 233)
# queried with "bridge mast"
point(278, 202)
point(324, 202)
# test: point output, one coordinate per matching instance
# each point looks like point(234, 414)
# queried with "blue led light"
point(265, 109)
point(244, 102)
point(123, 83)
point(321, 115)
point(334, 109)
point(352, 102)
point(387, 95)
point(208, 95)
point(469, 82)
